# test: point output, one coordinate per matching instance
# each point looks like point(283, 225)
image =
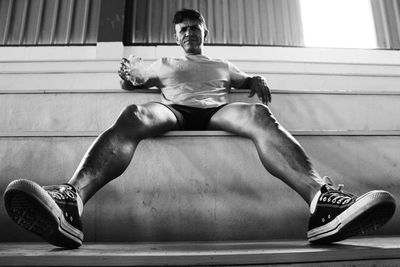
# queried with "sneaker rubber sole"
point(368, 213)
point(32, 208)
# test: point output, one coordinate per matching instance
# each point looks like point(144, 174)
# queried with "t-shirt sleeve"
point(153, 72)
point(154, 68)
point(238, 78)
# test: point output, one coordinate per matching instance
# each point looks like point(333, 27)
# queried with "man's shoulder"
point(214, 60)
point(175, 60)
point(218, 60)
point(170, 59)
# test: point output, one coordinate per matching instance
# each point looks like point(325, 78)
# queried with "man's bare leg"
point(335, 215)
point(113, 150)
point(279, 152)
point(54, 212)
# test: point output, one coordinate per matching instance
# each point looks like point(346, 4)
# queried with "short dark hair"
point(189, 14)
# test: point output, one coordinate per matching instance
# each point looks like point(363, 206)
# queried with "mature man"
point(194, 97)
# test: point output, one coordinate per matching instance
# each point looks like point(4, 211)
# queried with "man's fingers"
point(263, 96)
point(260, 93)
point(124, 69)
point(124, 73)
point(266, 95)
point(269, 95)
point(252, 92)
point(125, 65)
point(259, 86)
point(123, 76)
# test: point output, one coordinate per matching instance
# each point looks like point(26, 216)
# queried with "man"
point(194, 97)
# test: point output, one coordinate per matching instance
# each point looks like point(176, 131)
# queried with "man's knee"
point(132, 115)
point(261, 115)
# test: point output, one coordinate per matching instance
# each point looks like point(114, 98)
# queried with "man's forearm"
point(247, 83)
point(126, 85)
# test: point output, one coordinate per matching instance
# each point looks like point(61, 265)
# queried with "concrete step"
point(76, 68)
point(54, 103)
point(200, 186)
point(378, 251)
point(296, 111)
point(278, 81)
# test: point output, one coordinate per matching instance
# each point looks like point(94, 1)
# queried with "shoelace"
point(62, 193)
point(335, 193)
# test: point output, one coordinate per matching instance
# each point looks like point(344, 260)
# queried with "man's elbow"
point(125, 85)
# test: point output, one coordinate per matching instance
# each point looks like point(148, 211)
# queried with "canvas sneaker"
point(339, 215)
point(52, 212)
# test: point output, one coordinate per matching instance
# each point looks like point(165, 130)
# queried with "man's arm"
point(256, 84)
point(124, 73)
point(151, 82)
point(127, 85)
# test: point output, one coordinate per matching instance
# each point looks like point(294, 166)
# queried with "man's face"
point(190, 34)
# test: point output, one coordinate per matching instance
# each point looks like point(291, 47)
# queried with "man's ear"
point(176, 39)
point(205, 35)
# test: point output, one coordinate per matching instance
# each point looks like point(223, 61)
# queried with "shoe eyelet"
point(323, 219)
point(70, 194)
point(334, 201)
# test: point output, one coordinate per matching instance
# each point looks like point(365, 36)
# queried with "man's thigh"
point(152, 119)
point(234, 117)
point(157, 113)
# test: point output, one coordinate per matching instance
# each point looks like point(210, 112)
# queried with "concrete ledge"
point(373, 251)
point(301, 111)
point(200, 187)
point(278, 81)
point(38, 134)
point(75, 68)
point(267, 53)
point(261, 66)
point(157, 91)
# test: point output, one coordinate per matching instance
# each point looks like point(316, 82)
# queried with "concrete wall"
point(200, 187)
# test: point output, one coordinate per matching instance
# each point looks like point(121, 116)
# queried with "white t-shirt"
point(195, 80)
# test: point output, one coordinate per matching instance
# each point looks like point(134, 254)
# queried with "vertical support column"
point(111, 29)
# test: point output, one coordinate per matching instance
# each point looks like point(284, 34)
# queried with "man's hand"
point(259, 85)
point(124, 70)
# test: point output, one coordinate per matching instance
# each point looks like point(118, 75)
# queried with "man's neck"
point(198, 53)
point(195, 52)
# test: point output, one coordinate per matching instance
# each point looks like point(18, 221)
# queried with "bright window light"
point(338, 23)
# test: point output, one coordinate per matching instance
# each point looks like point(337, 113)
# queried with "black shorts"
point(191, 118)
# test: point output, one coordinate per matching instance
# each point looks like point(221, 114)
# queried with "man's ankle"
point(80, 204)
point(314, 201)
point(78, 200)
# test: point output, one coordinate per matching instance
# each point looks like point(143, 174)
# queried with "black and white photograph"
point(200, 133)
